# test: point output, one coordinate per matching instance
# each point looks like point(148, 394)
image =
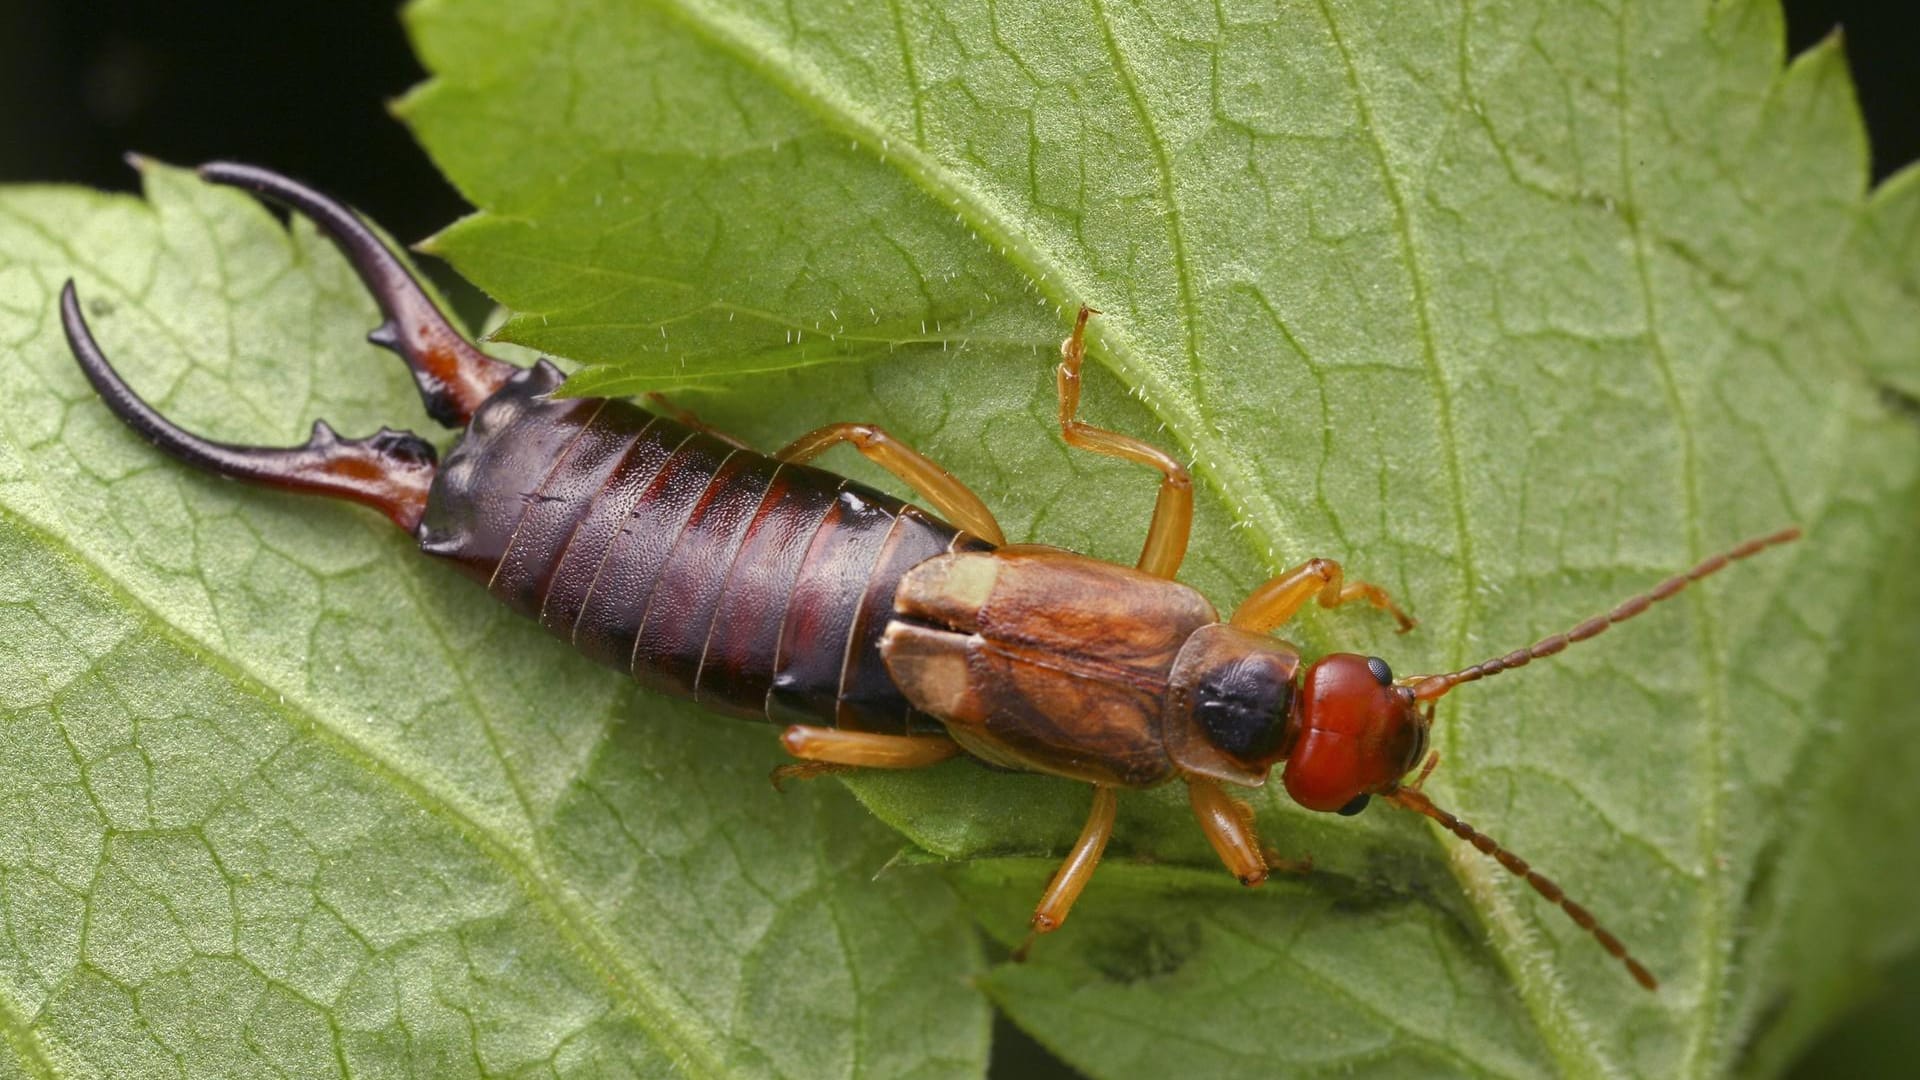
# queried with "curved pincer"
point(389, 470)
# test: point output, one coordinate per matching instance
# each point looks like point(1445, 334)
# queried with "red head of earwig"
point(1355, 734)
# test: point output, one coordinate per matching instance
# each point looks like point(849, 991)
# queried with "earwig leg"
point(1172, 520)
point(1280, 864)
point(454, 377)
point(660, 403)
point(1278, 600)
point(389, 471)
point(948, 495)
point(866, 750)
point(1426, 769)
point(1076, 871)
point(825, 751)
point(1228, 823)
point(805, 770)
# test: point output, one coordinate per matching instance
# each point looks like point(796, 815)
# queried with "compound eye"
point(1355, 804)
point(1381, 672)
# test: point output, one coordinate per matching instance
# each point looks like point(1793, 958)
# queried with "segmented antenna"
point(1431, 687)
point(1542, 884)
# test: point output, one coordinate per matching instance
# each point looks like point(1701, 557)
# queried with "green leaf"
point(1514, 309)
point(283, 797)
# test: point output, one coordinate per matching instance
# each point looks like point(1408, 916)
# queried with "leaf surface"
point(282, 797)
point(1514, 308)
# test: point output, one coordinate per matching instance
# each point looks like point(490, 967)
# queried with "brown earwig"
point(881, 636)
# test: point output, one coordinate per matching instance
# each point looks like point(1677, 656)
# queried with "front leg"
point(1228, 823)
point(1277, 601)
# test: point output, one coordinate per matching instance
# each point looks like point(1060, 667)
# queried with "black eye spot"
point(1380, 670)
point(1356, 804)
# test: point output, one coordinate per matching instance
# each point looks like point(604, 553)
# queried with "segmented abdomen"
point(753, 586)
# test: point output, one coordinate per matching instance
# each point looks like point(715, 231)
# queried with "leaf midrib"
point(1714, 953)
point(1212, 457)
point(1571, 1048)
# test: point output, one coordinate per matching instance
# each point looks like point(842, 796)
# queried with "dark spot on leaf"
point(1392, 880)
point(1766, 864)
point(1374, 892)
point(1133, 952)
point(1762, 1030)
point(1899, 401)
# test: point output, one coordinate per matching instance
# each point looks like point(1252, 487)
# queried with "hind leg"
point(824, 750)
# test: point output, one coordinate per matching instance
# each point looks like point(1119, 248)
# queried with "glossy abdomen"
point(705, 570)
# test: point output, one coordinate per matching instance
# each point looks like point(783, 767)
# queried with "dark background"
point(303, 88)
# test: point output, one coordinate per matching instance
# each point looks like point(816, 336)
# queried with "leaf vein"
point(594, 948)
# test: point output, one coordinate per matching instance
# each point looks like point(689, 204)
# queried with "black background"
point(303, 88)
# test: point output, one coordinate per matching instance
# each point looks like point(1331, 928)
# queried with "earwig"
point(880, 635)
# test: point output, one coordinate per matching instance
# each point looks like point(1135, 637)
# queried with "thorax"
point(1043, 660)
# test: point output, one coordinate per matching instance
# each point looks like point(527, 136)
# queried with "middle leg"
point(949, 496)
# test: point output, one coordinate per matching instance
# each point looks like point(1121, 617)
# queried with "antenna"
point(1542, 884)
point(1432, 687)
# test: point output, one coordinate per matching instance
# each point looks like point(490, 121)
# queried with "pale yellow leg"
point(824, 751)
point(1274, 603)
point(805, 770)
point(947, 495)
point(1076, 871)
point(1228, 824)
point(866, 750)
point(1173, 511)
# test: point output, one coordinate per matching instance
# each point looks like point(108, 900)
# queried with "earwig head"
point(1360, 734)
point(1354, 734)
